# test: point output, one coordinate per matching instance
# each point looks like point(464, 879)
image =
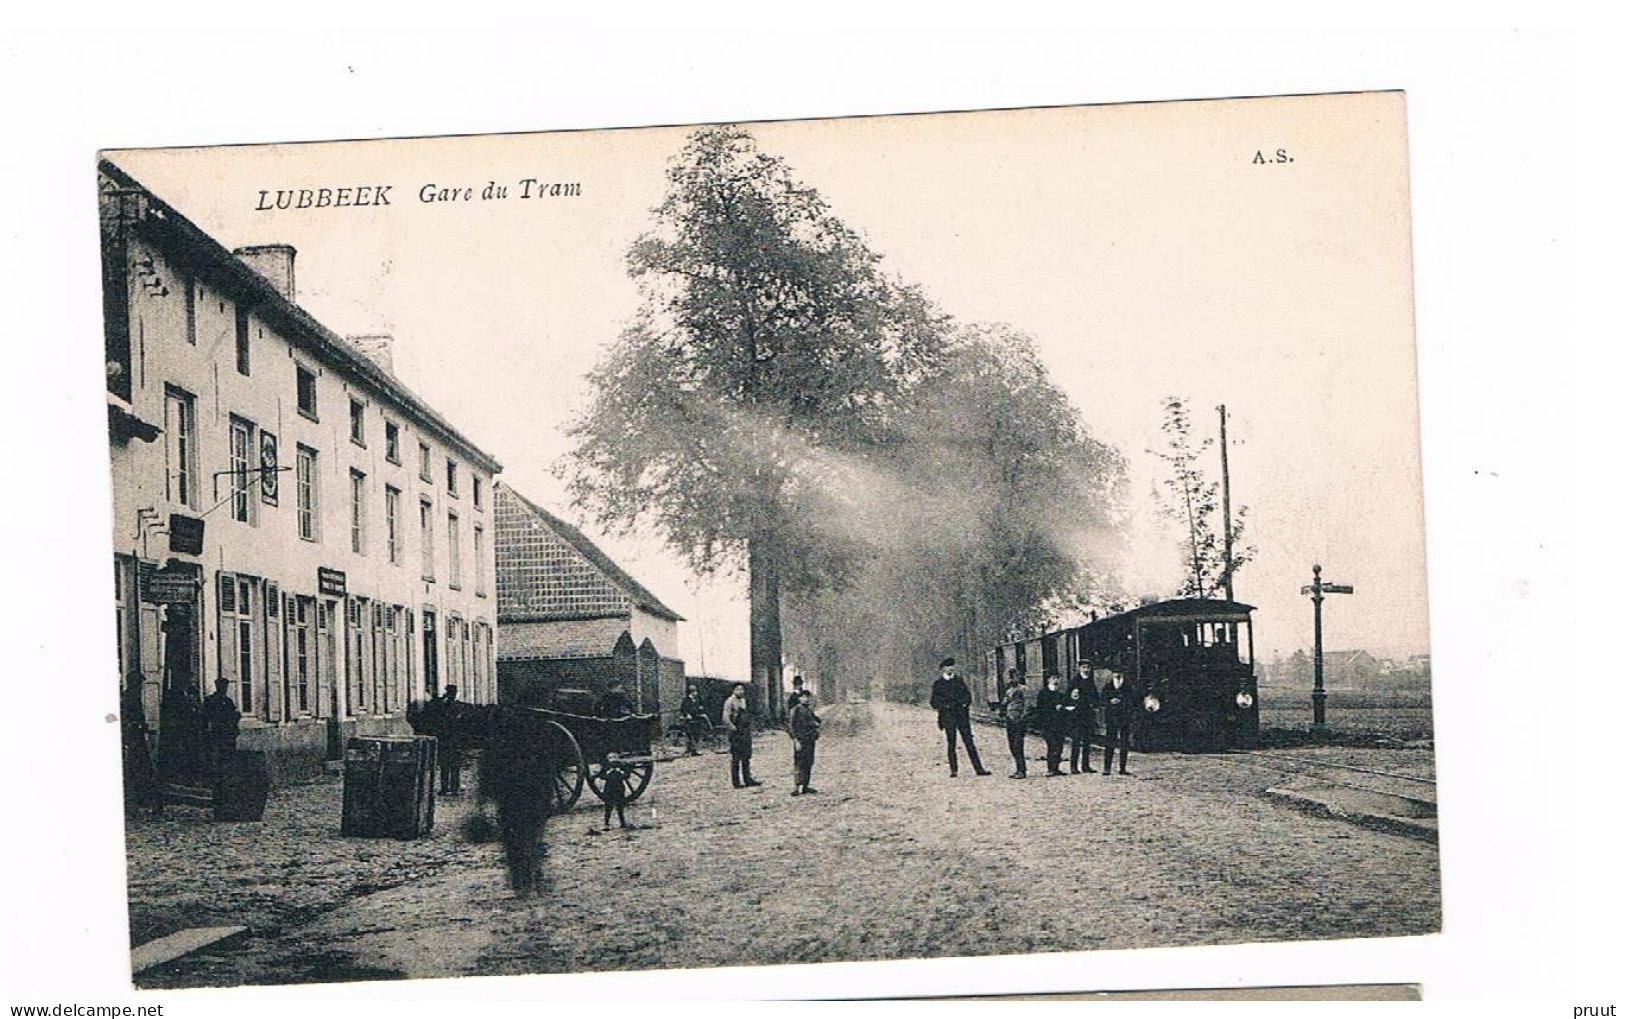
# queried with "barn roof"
point(628, 585)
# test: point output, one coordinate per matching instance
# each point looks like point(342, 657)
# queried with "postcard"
point(917, 537)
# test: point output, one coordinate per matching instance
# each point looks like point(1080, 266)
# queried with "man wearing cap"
point(951, 697)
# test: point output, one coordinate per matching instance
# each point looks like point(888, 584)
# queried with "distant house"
point(1351, 668)
point(571, 621)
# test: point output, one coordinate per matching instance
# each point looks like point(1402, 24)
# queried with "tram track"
point(1370, 797)
point(1298, 765)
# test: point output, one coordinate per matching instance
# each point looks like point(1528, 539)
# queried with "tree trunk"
point(766, 636)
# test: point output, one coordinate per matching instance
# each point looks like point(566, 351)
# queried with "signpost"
point(1317, 592)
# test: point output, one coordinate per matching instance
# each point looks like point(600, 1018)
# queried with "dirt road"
point(891, 859)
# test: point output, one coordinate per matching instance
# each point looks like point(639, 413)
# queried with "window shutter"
point(275, 708)
point(226, 628)
point(151, 666)
point(320, 665)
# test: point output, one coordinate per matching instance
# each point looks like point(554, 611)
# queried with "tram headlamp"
point(1152, 704)
point(1244, 700)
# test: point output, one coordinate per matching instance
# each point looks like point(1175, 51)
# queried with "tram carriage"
point(1189, 660)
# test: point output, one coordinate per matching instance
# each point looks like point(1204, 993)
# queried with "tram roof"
point(1195, 609)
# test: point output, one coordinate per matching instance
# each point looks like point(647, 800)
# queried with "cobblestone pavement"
point(891, 859)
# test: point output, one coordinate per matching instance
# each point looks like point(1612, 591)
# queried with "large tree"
point(769, 354)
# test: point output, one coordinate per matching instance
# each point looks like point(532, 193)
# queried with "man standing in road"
point(951, 697)
point(1117, 698)
point(1084, 699)
point(445, 714)
point(695, 722)
point(1054, 720)
point(221, 723)
point(736, 716)
point(1015, 721)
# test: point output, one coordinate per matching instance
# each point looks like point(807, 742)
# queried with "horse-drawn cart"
point(588, 745)
point(579, 747)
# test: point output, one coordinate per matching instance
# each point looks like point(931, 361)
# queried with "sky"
point(1151, 250)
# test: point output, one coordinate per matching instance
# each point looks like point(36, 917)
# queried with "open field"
point(1404, 714)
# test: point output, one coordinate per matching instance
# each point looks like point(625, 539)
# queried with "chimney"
point(274, 262)
point(379, 348)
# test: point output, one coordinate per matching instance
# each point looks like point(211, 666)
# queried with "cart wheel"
point(637, 779)
point(572, 768)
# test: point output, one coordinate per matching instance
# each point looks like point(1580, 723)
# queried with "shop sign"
point(330, 582)
point(185, 534)
point(170, 586)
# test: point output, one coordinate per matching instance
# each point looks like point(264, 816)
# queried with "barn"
point(570, 621)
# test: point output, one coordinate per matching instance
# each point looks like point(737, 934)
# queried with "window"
point(479, 491)
point(242, 339)
point(308, 495)
point(479, 560)
point(392, 442)
point(301, 649)
point(358, 513)
point(454, 553)
point(426, 530)
point(451, 478)
point(423, 462)
point(431, 654)
point(358, 422)
point(392, 522)
point(235, 597)
point(355, 642)
point(305, 384)
point(180, 450)
point(242, 474)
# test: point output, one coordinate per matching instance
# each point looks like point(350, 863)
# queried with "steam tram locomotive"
point(1189, 660)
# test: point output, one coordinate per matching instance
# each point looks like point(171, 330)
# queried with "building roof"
point(160, 223)
point(563, 639)
point(636, 593)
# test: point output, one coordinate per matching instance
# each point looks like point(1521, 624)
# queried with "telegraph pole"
point(1224, 475)
point(1317, 593)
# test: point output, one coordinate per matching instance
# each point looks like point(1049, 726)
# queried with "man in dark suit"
point(443, 718)
point(221, 722)
point(1120, 703)
point(1054, 720)
point(695, 720)
point(1085, 699)
point(951, 697)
